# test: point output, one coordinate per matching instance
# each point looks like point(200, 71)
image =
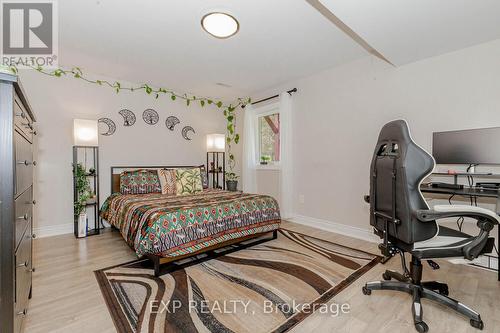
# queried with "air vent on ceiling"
point(223, 85)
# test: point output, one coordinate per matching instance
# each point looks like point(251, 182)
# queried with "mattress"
point(170, 226)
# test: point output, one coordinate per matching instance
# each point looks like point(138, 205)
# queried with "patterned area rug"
point(270, 287)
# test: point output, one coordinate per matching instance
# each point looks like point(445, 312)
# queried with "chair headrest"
point(396, 130)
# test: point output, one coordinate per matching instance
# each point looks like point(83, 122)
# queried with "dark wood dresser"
point(16, 203)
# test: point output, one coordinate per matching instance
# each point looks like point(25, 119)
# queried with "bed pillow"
point(168, 181)
point(204, 177)
point(188, 181)
point(139, 182)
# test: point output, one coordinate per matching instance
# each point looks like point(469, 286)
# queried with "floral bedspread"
point(170, 226)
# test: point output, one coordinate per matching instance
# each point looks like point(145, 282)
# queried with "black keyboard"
point(492, 186)
point(447, 185)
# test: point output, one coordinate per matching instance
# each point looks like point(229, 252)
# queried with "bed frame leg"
point(156, 263)
point(275, 234)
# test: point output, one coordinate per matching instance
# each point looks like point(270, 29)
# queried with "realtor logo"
point(29, 33)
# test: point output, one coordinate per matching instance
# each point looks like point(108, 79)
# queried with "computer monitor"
point(476, 146)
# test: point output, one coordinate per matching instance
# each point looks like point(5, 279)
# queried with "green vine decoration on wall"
point(231, 135)
point(229, 110)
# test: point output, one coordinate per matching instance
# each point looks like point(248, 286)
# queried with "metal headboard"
point(117, 170)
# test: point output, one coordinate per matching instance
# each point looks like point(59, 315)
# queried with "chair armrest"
point(486, 220)
point(443, 211)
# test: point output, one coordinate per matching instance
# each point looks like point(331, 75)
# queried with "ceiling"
point(404, 31)
point(162, 42)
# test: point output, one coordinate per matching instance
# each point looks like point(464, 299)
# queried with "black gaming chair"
point(401, 216)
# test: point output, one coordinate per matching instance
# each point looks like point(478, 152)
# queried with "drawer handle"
point(23, 313)
point(22, 115)
point(24, 264)
point(33, 131)
point(33, 236)
point(32, 270)
point(27, 162)
point(34, 202)
point(24, 217)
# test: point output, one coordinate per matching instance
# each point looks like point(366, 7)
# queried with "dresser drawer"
point(22, 120)
point(24, 213)
point(22, 279)
point(24, 163)
point(21, 310)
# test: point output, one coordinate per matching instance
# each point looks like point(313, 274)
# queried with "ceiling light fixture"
point(220, 25)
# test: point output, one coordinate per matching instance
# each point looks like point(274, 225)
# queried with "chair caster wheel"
point(366, 291)
point(477, 324)
point(386, 276)
point(421, 327)
point(444, 291)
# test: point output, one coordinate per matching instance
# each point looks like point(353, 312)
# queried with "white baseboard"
point(53, 230)
point(343, 229)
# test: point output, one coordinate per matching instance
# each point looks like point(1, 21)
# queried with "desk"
point(469, 192)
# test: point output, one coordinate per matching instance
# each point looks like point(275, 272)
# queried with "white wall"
point(57, 101)
point(338, 113)
point(268, 182)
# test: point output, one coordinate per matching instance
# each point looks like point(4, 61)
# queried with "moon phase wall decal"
point(150, 116)
point(110, 124)
point(128, 117)
point(185, 131)
point(171, 122)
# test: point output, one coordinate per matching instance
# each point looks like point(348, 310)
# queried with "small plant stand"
point(216, 169)
point(89, 158)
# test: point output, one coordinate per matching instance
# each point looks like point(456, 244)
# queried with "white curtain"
point(249, 172)
point(286, 181)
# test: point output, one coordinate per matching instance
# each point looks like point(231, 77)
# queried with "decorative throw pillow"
point(188, 181)
point(168, 181)
point(139, 182)
point(204, 176)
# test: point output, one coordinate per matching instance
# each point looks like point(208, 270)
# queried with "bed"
point(168, 229)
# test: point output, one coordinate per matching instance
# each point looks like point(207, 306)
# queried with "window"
point(268, 136)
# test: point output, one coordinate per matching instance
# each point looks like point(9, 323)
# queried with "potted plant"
point(83, 194)
point(265, 159)
point(231, 181)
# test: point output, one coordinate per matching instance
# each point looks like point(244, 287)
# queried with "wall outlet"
point(302, 199)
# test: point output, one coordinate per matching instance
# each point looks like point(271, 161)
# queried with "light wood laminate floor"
point(66, 297)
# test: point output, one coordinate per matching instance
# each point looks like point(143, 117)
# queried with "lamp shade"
point(216, 143)
point(85, 132)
